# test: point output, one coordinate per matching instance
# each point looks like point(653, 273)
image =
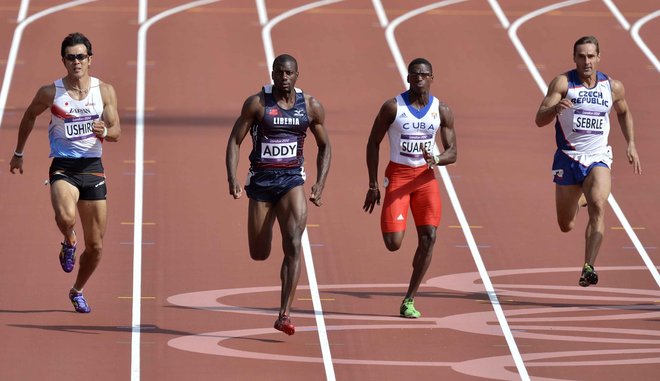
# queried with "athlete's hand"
point(372, 198)
point(315, 197)
point(16, 163)
point(235, 189)
point(430, 158)
point(633, 158)
point(562, 105)
point(99, 129)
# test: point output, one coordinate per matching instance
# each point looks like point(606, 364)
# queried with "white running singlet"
point(413, 131)
point(70, 130)
point(582, 130)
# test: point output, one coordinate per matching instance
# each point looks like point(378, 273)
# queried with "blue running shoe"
point(68, 257)
point(79, 302)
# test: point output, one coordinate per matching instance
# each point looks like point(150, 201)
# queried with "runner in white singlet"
point(411, 121)
point(83, 116)
point(579, 102)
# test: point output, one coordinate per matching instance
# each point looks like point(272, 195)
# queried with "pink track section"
point(207, 309)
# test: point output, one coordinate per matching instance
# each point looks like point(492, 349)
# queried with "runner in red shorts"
point(411, 121)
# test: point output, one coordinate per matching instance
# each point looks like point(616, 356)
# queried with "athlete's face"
point(420, 77)
point(285, 75)
point(586, 59)
point(76, 60)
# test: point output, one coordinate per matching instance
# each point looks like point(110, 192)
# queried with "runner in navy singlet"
point(83, 116)
point(579, 101)
point(278, 118)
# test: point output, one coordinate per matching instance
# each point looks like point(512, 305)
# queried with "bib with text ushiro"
point(78, 128)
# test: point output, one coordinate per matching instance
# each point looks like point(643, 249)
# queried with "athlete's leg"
point(64, 197)
point(261, 217)
point(93, 216)
point(422, 259)
point(292, 219)
point(567, 201)
point(597, 188)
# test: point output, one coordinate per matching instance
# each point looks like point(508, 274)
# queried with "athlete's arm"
point(249, 114)
point(447, 137)
point(553, 104)
point(42, 100)
point(382, 123)
point(625, 118)
point(109, 125)
point(324, 155)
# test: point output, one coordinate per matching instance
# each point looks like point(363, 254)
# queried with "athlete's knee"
point(94, 249)
point(392, 242)
point(427, 238)
point(259, 251)
point(566, 226)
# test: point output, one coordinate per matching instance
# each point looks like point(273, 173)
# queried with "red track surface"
point(199, 318)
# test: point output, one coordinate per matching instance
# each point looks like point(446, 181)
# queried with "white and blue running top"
point(413, 131)
point(582, 131)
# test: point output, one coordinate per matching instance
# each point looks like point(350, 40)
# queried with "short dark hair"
point(285, 58)
point(420, 61)
point(586, 40)
point(76, 39)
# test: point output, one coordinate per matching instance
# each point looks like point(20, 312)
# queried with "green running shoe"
point(589, 276)
point(408, 310)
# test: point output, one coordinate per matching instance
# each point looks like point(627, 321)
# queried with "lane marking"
point(307, 250)
point(140, 89)
point(16, 42)
point(617, 14)
point(634, 32)
point(130, 297)
point(453, 196)
point(133, 223)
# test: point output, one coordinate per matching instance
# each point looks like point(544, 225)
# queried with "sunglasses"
point(74, 57)
point(422, 75)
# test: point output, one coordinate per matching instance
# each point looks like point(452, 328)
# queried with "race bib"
point(279, 149)
point(415, 145)
point(588, 122)
point(78, 128)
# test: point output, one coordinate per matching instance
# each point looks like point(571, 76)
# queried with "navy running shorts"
point(567, 171)
point(269, 185)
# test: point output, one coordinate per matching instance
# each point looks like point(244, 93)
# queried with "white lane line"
point(380, 12)
point(16, 43)
point(499, 13)
point(540, 82)
point(262, 11)
point(265, 32)
point(634, 32)
point(139, 172)
point(544, 89)
point(451, 192)
point(307, 250)
point(23, 10)
point(617, 14)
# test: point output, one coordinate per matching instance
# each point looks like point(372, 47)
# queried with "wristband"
point(105, 132)
point(18, 154)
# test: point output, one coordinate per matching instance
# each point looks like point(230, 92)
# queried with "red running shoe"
point(283, 323)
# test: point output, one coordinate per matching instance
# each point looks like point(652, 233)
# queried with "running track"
point(177, 296)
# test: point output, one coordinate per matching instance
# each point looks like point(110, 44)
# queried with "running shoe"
point(408, 310)
point(79, 302)
point(283, 323)
point(589, 276)
point(67, 257)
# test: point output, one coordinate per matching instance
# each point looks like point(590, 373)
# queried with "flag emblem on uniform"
point(273, 112)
